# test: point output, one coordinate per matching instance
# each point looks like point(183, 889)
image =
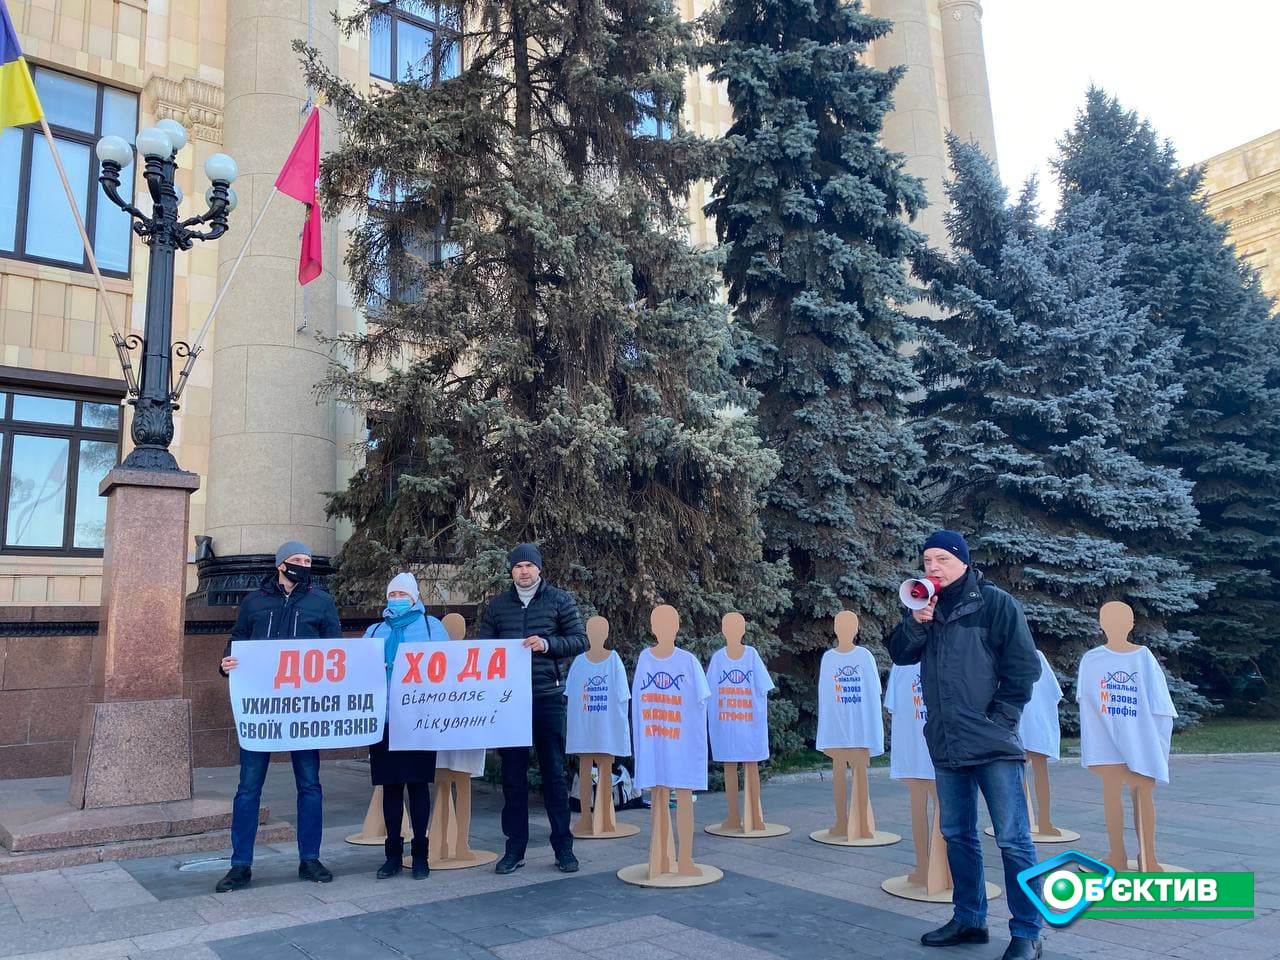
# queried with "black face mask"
point(296, 573)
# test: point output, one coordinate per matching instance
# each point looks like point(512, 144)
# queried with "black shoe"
point(315, 871)
point(237, 878)
point(509, 863)
point(1020, 948)
point(566, 862)
point(953, 932)
point(421, 861)
point(394, 847)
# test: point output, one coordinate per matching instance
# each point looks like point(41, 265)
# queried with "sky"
point(1202, 71)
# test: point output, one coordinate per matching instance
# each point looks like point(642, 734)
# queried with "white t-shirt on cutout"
point(669, 721)
point(849, 702)
point(598, 697)
point(1038, 729)
point(1126, 713)
point(904, 699)
point(461, 761)
point(738, 719)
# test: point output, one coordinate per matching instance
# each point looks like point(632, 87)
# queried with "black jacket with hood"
point(978, 664)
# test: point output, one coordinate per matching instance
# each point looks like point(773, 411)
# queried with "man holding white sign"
point(547, 621)
point(285, 606)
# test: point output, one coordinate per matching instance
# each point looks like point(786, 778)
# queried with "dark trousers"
point(1000, 782)
point(244, 809)
point(419, 809)
point(548, 739)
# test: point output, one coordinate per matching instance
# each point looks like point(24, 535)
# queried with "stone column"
point(273, 444)
point(135, 736)
point(914, 127)
point(968, 94)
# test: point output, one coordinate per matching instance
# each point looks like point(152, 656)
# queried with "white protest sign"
point(461, 695)
point(308, 694)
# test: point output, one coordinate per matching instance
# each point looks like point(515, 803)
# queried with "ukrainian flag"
point(18, 101)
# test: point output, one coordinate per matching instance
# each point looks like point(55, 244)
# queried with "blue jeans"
point(1001, 784)
point(244, 809)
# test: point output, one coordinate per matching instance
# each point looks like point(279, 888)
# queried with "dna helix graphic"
point(662, 681)
point(1120, 676)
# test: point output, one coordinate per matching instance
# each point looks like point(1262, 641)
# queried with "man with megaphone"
point(977, 667)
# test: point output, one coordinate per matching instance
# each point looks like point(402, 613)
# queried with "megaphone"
point(915, 594)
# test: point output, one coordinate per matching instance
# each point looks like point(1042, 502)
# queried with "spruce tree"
point(1041, 385)
point(561, 374)
point(1224, 432)
point(812, 211)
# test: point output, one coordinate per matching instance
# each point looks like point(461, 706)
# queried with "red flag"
point(298, 179)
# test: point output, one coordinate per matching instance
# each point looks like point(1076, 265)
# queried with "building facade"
point(266, 449)
point(1242, 187)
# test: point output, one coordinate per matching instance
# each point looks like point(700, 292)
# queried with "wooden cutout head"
point(1116, 620)
point(455, 626)
point(665, 624)
point(734, 628)
point(847, 626)
point(597, 634)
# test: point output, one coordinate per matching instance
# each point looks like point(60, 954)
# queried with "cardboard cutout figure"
point(450, 828)
point(1041, 738)
point(850, 727)
point(738, 722)
point(600, 683)
point(669, 726)
point(909, 762)
point(1139, 687)
point(373, 832)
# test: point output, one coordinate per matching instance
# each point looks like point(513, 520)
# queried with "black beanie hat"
point(950, 541)
point(524, 553)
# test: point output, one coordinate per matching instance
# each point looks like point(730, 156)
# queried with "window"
point(403, 239)
point(415, 40)
point(55, 448)
point(658, 121)
point(35, 221)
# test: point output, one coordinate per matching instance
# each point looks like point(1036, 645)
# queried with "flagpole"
point(197, 345)
point(122, 347)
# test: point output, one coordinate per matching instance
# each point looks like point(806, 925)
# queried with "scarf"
point(950, 596)
point(395, 636)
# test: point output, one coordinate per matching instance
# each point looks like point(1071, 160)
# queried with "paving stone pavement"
point(786, 897)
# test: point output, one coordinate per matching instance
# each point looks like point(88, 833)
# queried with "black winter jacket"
point(269, 613)
point(977, 667)
point(553, 615)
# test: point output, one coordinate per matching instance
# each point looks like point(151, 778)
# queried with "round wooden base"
point(904, 888)
point(361, 840)
point(1166, 867)
point(1132, 865)
point(623, 830)
point(1062, 836)
point(638, 874)
point(737, 833)
point(479, 858)
point(882, 838)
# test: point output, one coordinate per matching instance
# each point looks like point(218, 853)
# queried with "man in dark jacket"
point(548, 620)
point(285, 606)
point(977, 667)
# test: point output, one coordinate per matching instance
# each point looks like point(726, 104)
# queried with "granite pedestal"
point(130, 791)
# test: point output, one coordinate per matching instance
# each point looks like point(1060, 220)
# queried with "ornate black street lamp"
point(155, 398)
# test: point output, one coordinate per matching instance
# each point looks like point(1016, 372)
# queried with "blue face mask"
point(398, 606)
